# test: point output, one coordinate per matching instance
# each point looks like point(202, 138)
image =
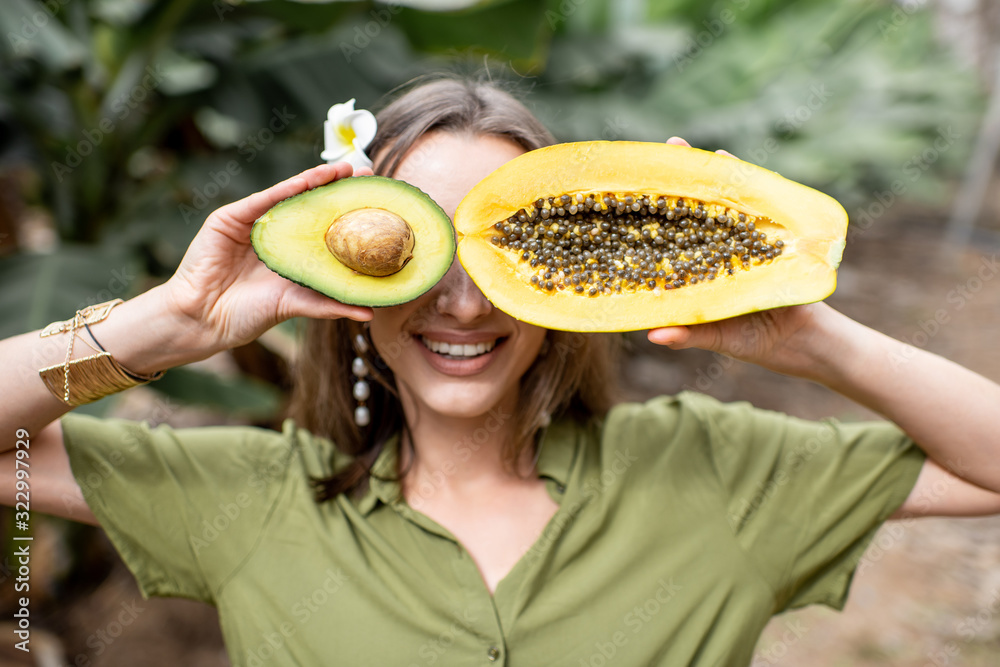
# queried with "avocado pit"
point(371, 241)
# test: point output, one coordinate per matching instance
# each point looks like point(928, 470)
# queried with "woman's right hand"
point(226, 293)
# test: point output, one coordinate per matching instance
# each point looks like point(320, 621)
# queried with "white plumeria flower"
point(348, 132)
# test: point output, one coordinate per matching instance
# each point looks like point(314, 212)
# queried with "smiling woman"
point(453, 134)
point(491, 503)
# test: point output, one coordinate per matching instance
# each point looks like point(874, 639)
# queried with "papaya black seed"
point(602, 237)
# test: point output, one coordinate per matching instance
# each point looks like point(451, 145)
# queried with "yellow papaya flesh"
point(620, 236)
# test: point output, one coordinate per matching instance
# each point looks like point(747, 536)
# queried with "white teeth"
point(458, 349)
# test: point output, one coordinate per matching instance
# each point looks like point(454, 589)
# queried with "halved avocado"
point(292, 239)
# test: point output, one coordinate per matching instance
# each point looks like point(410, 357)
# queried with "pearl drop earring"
point(361, 390)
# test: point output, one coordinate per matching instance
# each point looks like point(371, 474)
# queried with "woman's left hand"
point(784, 340)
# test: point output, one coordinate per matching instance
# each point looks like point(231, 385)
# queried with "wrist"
point(147, 334)
point(834, 347)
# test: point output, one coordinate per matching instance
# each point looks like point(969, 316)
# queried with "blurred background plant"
point(124, 123)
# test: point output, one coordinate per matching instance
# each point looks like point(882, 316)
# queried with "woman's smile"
point(460, 352)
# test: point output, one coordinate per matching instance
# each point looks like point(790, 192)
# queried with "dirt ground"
point(929, 592)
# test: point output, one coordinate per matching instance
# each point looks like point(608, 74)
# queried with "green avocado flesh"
point(290, 240)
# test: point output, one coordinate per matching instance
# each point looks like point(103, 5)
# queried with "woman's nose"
point(459, 297)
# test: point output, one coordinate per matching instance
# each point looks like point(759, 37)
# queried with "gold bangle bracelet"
point(91, 378)
point(85, 380)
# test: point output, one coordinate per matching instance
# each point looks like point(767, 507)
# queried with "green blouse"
point(684, 525)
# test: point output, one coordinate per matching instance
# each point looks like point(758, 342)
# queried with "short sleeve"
point(806, 498)
point(183, 507)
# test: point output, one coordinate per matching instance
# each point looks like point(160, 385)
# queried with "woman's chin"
point(462, 404)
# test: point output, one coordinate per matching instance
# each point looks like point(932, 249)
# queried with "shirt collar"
point(382, 490)
point(559, 447)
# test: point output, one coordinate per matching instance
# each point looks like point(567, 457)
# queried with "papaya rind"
point(815, 231)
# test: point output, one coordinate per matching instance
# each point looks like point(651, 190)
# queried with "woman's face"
point(452, 352)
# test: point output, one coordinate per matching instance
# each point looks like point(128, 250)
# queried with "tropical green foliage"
point(125, 122)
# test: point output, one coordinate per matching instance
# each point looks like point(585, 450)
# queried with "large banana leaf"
point(240, 395)
point(38, 289)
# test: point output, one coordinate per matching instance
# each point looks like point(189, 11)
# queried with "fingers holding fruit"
point(223, 289)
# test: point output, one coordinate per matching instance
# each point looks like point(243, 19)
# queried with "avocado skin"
point(289, 240)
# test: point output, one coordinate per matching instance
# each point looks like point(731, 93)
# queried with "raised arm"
point(948, 410)
point(221, 296)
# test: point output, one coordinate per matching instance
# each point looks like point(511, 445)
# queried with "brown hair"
point(573, 377)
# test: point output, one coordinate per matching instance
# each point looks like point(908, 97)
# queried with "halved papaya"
point(620, 236)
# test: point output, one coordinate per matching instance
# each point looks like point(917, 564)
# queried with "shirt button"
point(560, 488)
point(493, 653)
